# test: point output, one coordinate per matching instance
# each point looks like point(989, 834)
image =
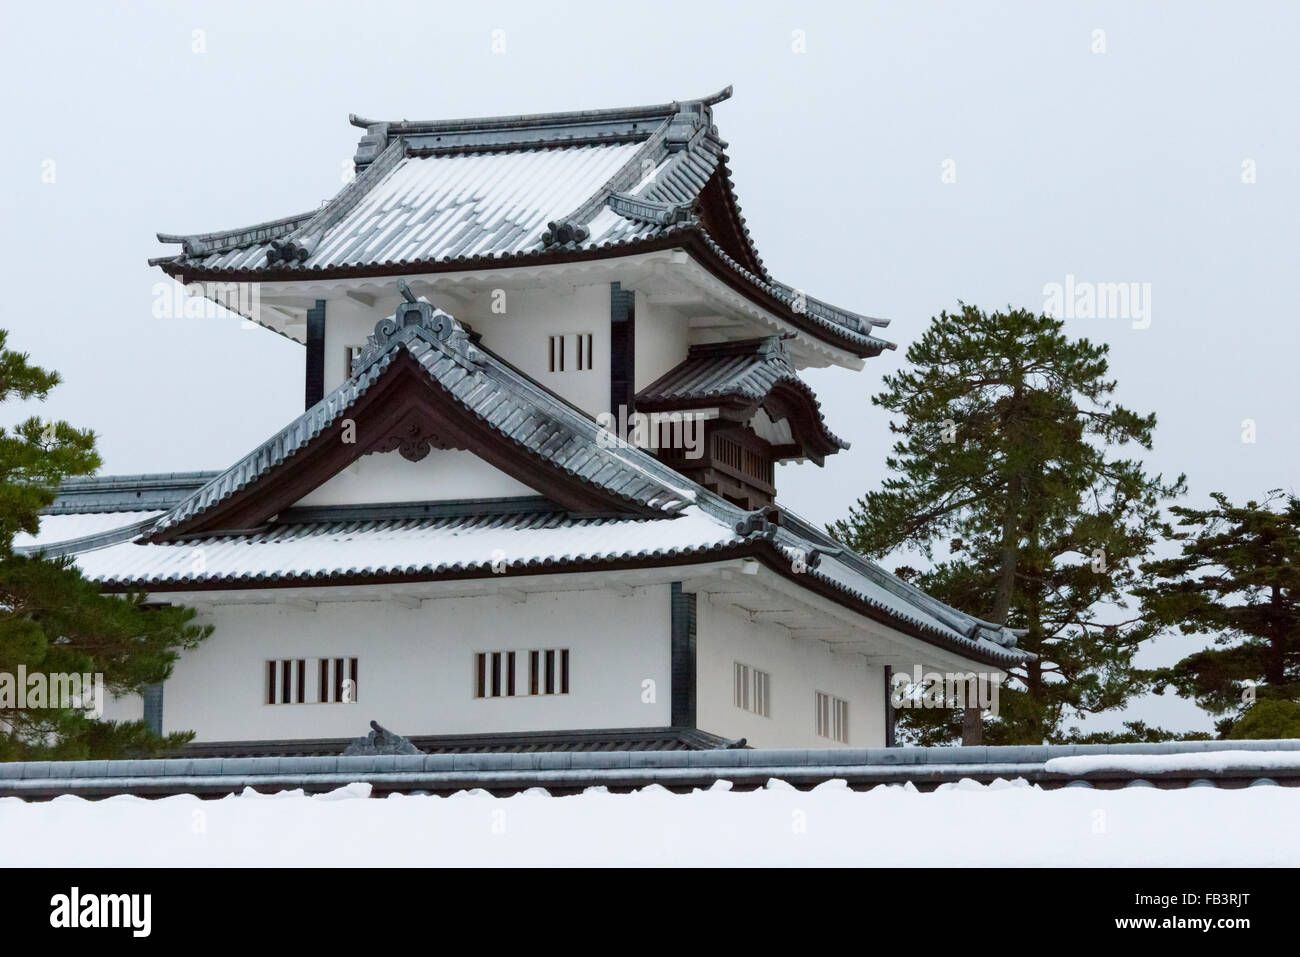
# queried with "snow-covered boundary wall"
point(571, 772)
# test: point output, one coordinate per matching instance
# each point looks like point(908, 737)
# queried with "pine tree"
point(1006, 459)
point(53, 621)
point(1238, 579)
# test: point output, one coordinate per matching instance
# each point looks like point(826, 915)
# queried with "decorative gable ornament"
point(414, 319)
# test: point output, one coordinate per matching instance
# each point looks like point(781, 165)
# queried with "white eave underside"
point(670, 276)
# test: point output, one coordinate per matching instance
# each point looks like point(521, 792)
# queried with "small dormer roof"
point(747, 376)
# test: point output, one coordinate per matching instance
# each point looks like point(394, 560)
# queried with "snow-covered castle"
point(532, 501)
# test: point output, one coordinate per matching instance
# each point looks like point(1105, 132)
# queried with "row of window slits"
point(495, 673)
point(753, 692)
point(558, 351)
point(832, 717)
point(753, 689)
point(336, 681)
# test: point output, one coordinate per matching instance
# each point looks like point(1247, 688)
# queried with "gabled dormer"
point(423, 387)
point(754, 411)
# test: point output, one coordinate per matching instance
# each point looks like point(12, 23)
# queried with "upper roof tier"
point(455, 195)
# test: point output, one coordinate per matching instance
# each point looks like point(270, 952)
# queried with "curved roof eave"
point(689, 237)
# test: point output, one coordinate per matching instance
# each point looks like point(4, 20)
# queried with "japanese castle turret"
point(531, 503)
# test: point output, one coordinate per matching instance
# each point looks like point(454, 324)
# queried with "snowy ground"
point(962, 824)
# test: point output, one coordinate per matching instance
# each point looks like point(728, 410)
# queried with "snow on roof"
point(463, 205)
point(324, 550)
point(483, 192)
point(58, 528)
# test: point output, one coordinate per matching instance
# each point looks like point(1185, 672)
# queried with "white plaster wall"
point(416, 666)
point(129, 707)
point(662, 335)
point(349, 323)
point(799, 669)
point(521, 334)
point(442, 475)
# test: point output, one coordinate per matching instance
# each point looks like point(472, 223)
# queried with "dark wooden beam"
point(683, 657)
point(622, 350)
point(889, 707)
point(315, 378)
point(153, 706)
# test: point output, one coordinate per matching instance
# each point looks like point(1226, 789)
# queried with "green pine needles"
point(1010, 476)
point(53, 621)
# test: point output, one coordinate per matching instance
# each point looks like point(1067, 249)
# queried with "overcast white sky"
point(1116, 166)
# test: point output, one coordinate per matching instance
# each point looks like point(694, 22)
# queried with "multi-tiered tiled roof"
point(479, 194)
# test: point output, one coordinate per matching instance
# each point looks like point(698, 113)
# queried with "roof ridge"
point(78, 482)
point(302, 242)
point(626, 175)
point(533, 120)
point(225, 240)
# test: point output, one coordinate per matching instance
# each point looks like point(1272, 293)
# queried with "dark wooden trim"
point(153, 706)
point(785, 401)
point(434, 510)
point(710, 470)
point(889, 707)
point(315, 375)
point(622, 350)
point(718, 216)
point(683, 667)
